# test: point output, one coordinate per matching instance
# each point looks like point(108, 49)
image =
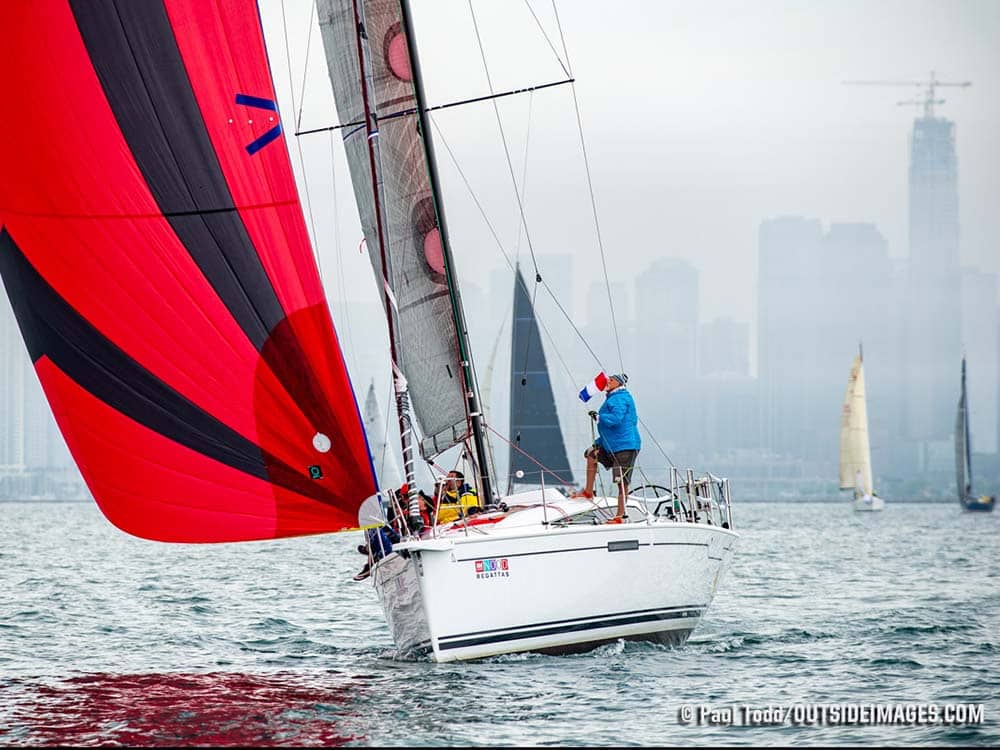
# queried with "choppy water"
point(109, 639)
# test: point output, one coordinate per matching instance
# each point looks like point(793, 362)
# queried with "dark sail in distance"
point(534, 421)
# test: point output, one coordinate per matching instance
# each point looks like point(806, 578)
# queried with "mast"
point(458, 312)
point(398, 379)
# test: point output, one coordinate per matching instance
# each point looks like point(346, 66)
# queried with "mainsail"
point(855, 454)
point(963, 461)
point(535, 435)
point(154, 250)
point(390, 173)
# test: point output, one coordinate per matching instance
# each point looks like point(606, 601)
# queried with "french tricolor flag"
point(594, 387)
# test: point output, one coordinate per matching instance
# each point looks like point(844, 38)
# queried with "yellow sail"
point(855, 454)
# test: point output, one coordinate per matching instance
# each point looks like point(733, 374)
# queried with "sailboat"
point(537, 448)
point(482, 585)
point(963, 458)
point(855, 452)
point(155, 252)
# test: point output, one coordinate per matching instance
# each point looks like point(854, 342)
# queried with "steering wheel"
point(667, 495)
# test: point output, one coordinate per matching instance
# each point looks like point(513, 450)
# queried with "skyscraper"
point(789, 272)
point(820, 296)
point(933, 335)
point(725, 348)
point(666, 319)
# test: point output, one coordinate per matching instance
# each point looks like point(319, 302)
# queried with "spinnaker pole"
point(465, 352)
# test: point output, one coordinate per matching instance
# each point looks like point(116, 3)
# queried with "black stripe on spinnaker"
point(52, 328)
point(132, 47)
point(135, 54)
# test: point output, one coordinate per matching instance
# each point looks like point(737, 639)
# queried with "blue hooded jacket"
point(616, 423)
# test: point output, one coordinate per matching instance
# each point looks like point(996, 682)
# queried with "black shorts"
point(621, 463)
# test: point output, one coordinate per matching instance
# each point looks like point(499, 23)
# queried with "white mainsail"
point(855, 453)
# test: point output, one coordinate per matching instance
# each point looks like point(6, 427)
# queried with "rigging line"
point(517, 248)
point(527, 342)
point(531, 458)
point(597, 227)
point(412, 110)
point(562, 38)
point(524, 175)
point(655, 442)
point(590, 185)
point(305, 70)
point(546, 36)
point(503, 138)
point(510, 263)
point(302, 162)
point(385, 430)
point(339, 248)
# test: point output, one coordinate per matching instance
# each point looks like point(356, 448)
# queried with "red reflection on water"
point(183, 709)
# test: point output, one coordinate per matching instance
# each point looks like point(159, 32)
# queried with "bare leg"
point(591, 474)
point(622, 494)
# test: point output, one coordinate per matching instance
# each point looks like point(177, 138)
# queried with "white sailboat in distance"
point(855, 452)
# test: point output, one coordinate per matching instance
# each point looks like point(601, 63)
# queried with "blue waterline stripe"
point(589, 618)
point(568, 626)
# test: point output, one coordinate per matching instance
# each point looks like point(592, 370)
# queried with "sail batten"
point(162, 276)
point(855, 452)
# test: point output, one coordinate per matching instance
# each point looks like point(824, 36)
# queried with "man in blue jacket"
point(618, 441)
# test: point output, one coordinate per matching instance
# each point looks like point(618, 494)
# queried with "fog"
point(702, 123)
point(711, 130)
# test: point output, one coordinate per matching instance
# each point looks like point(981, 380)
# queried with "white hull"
point(869, 502)
point(536, 587)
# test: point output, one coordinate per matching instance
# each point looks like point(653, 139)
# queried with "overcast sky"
point(701, 120)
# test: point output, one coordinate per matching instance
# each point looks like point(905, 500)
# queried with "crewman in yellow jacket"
point(458, 499)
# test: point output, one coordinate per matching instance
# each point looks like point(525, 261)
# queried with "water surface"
point(105, 639)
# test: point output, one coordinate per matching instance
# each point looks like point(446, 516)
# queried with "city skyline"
point(703, 234)
point(700, 122)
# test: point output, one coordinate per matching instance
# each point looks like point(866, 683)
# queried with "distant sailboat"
point(382, 455)
point(537, 448)
point(963, 458)
point(855, 452)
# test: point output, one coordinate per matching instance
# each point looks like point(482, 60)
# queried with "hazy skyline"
point(701, 122)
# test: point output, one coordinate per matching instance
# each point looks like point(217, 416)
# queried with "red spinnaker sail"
point(154, 250)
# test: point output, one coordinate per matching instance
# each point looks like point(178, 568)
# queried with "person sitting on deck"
point(399, 510)
point(618, 442)
point(378, 544)
point(457, 499)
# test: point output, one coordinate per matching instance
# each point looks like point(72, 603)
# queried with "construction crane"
point(929, 98)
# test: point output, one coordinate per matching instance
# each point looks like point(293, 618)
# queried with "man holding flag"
point(618, 441)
